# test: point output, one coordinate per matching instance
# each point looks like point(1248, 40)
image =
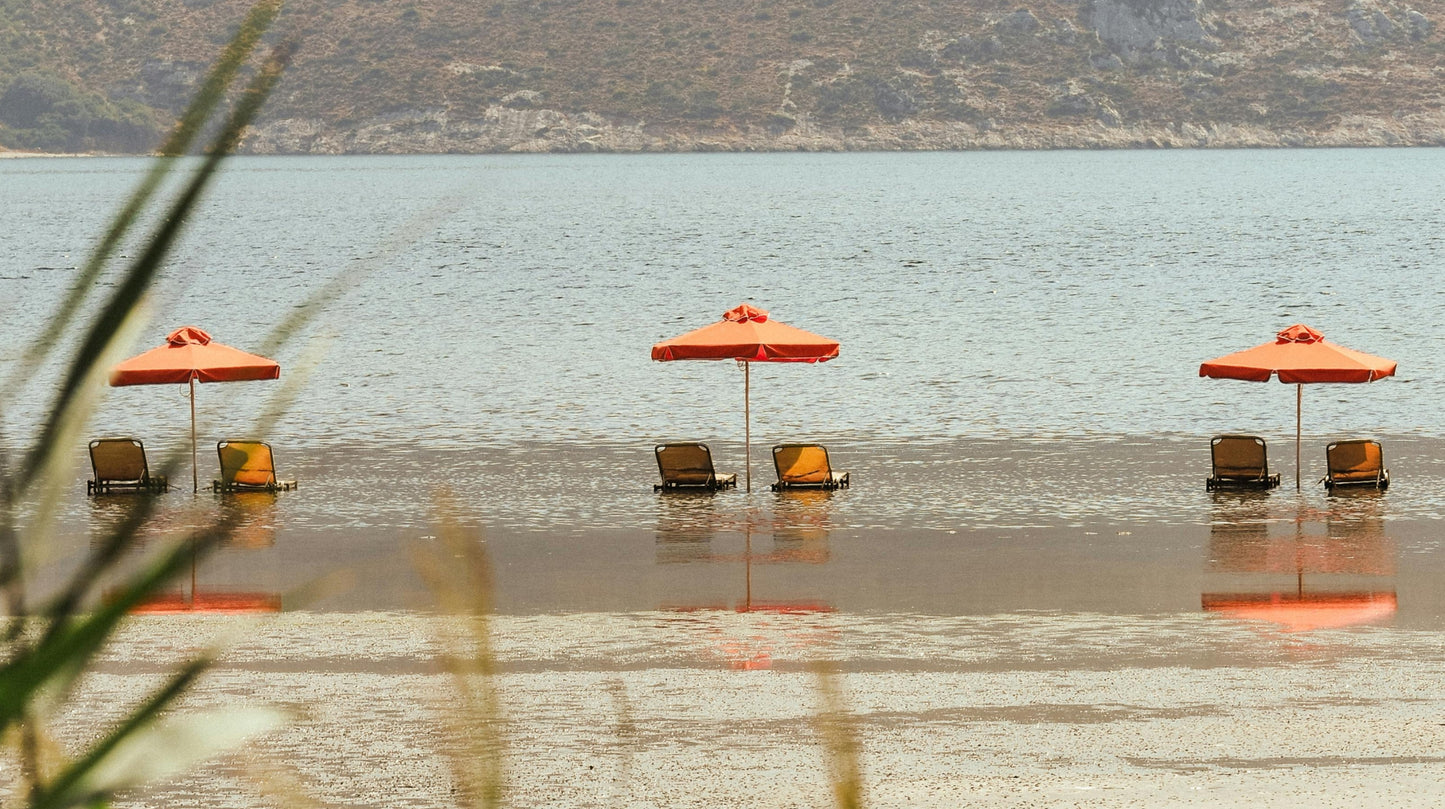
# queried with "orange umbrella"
point(747, 335)
point(189, 357)
point(1298, 355)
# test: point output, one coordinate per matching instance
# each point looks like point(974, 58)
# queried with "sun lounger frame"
point(832, 481)
point(1346, 476)
point(699, 477)
point(1249, 476)
point(144, 482)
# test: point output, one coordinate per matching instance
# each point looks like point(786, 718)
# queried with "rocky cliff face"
point(655, 75)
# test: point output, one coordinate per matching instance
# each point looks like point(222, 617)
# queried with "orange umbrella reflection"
point(218, 602)
point(1352, 551)
point(252, 518)
point(1305, 612)
point(798, 537)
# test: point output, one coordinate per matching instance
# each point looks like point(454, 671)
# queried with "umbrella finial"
point(745, 313)
point(1299, 333)
point(188, 335)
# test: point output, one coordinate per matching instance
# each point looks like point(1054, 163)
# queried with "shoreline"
point(5, 155)
point(747, 148)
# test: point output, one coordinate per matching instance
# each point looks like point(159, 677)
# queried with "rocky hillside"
point(399, 76)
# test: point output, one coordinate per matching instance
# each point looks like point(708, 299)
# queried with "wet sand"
point(708, 709)
point(1073, 642)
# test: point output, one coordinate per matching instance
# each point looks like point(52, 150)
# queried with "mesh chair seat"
point(806, 465)
point(689, 466)
point(119, 465)
point(1239, 460)
point(1356, 462)
point(248, 466)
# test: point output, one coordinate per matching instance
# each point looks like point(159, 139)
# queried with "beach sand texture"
point(656, 709)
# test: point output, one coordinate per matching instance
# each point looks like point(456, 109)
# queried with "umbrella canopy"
point(190, 356)
point(1299, 355)
point(746, 334)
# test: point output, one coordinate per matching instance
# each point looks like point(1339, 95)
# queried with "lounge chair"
point(1356, 462)
point(805, 465)
point(1240, 460)
point(247, 466)
point(119, 465)
point(689, 466)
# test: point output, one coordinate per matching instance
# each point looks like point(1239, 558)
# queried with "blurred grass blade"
point(212, 92)
point(145, 750)
point(460, 575)
point(237, 52)
point(102, 558)
point(838, 730)
point(44, 657)
point(53, 479)
point(70, 642)
point(142, 273)
point(79, 783)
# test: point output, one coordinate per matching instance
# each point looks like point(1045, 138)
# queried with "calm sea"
point(1028, 295)
point(1021, 334)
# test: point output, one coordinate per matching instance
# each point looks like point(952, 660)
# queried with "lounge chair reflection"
point(1240, 460)
point(119, 465)
point(689, 466)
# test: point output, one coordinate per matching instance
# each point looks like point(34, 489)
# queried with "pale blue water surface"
point(980, 294)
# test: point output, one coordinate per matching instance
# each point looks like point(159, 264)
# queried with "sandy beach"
point(659, 709)
point(7, 154)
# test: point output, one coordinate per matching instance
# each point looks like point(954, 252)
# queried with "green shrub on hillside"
point(43, 112)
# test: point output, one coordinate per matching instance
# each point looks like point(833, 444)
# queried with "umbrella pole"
point(747, 425)
point(195, 475)
point(1299, 398)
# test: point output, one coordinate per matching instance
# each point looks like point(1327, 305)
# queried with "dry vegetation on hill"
point(627, 75)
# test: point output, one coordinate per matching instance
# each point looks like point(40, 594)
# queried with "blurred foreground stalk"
point(838, 730)
point(460, 574)
point(48, 646)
